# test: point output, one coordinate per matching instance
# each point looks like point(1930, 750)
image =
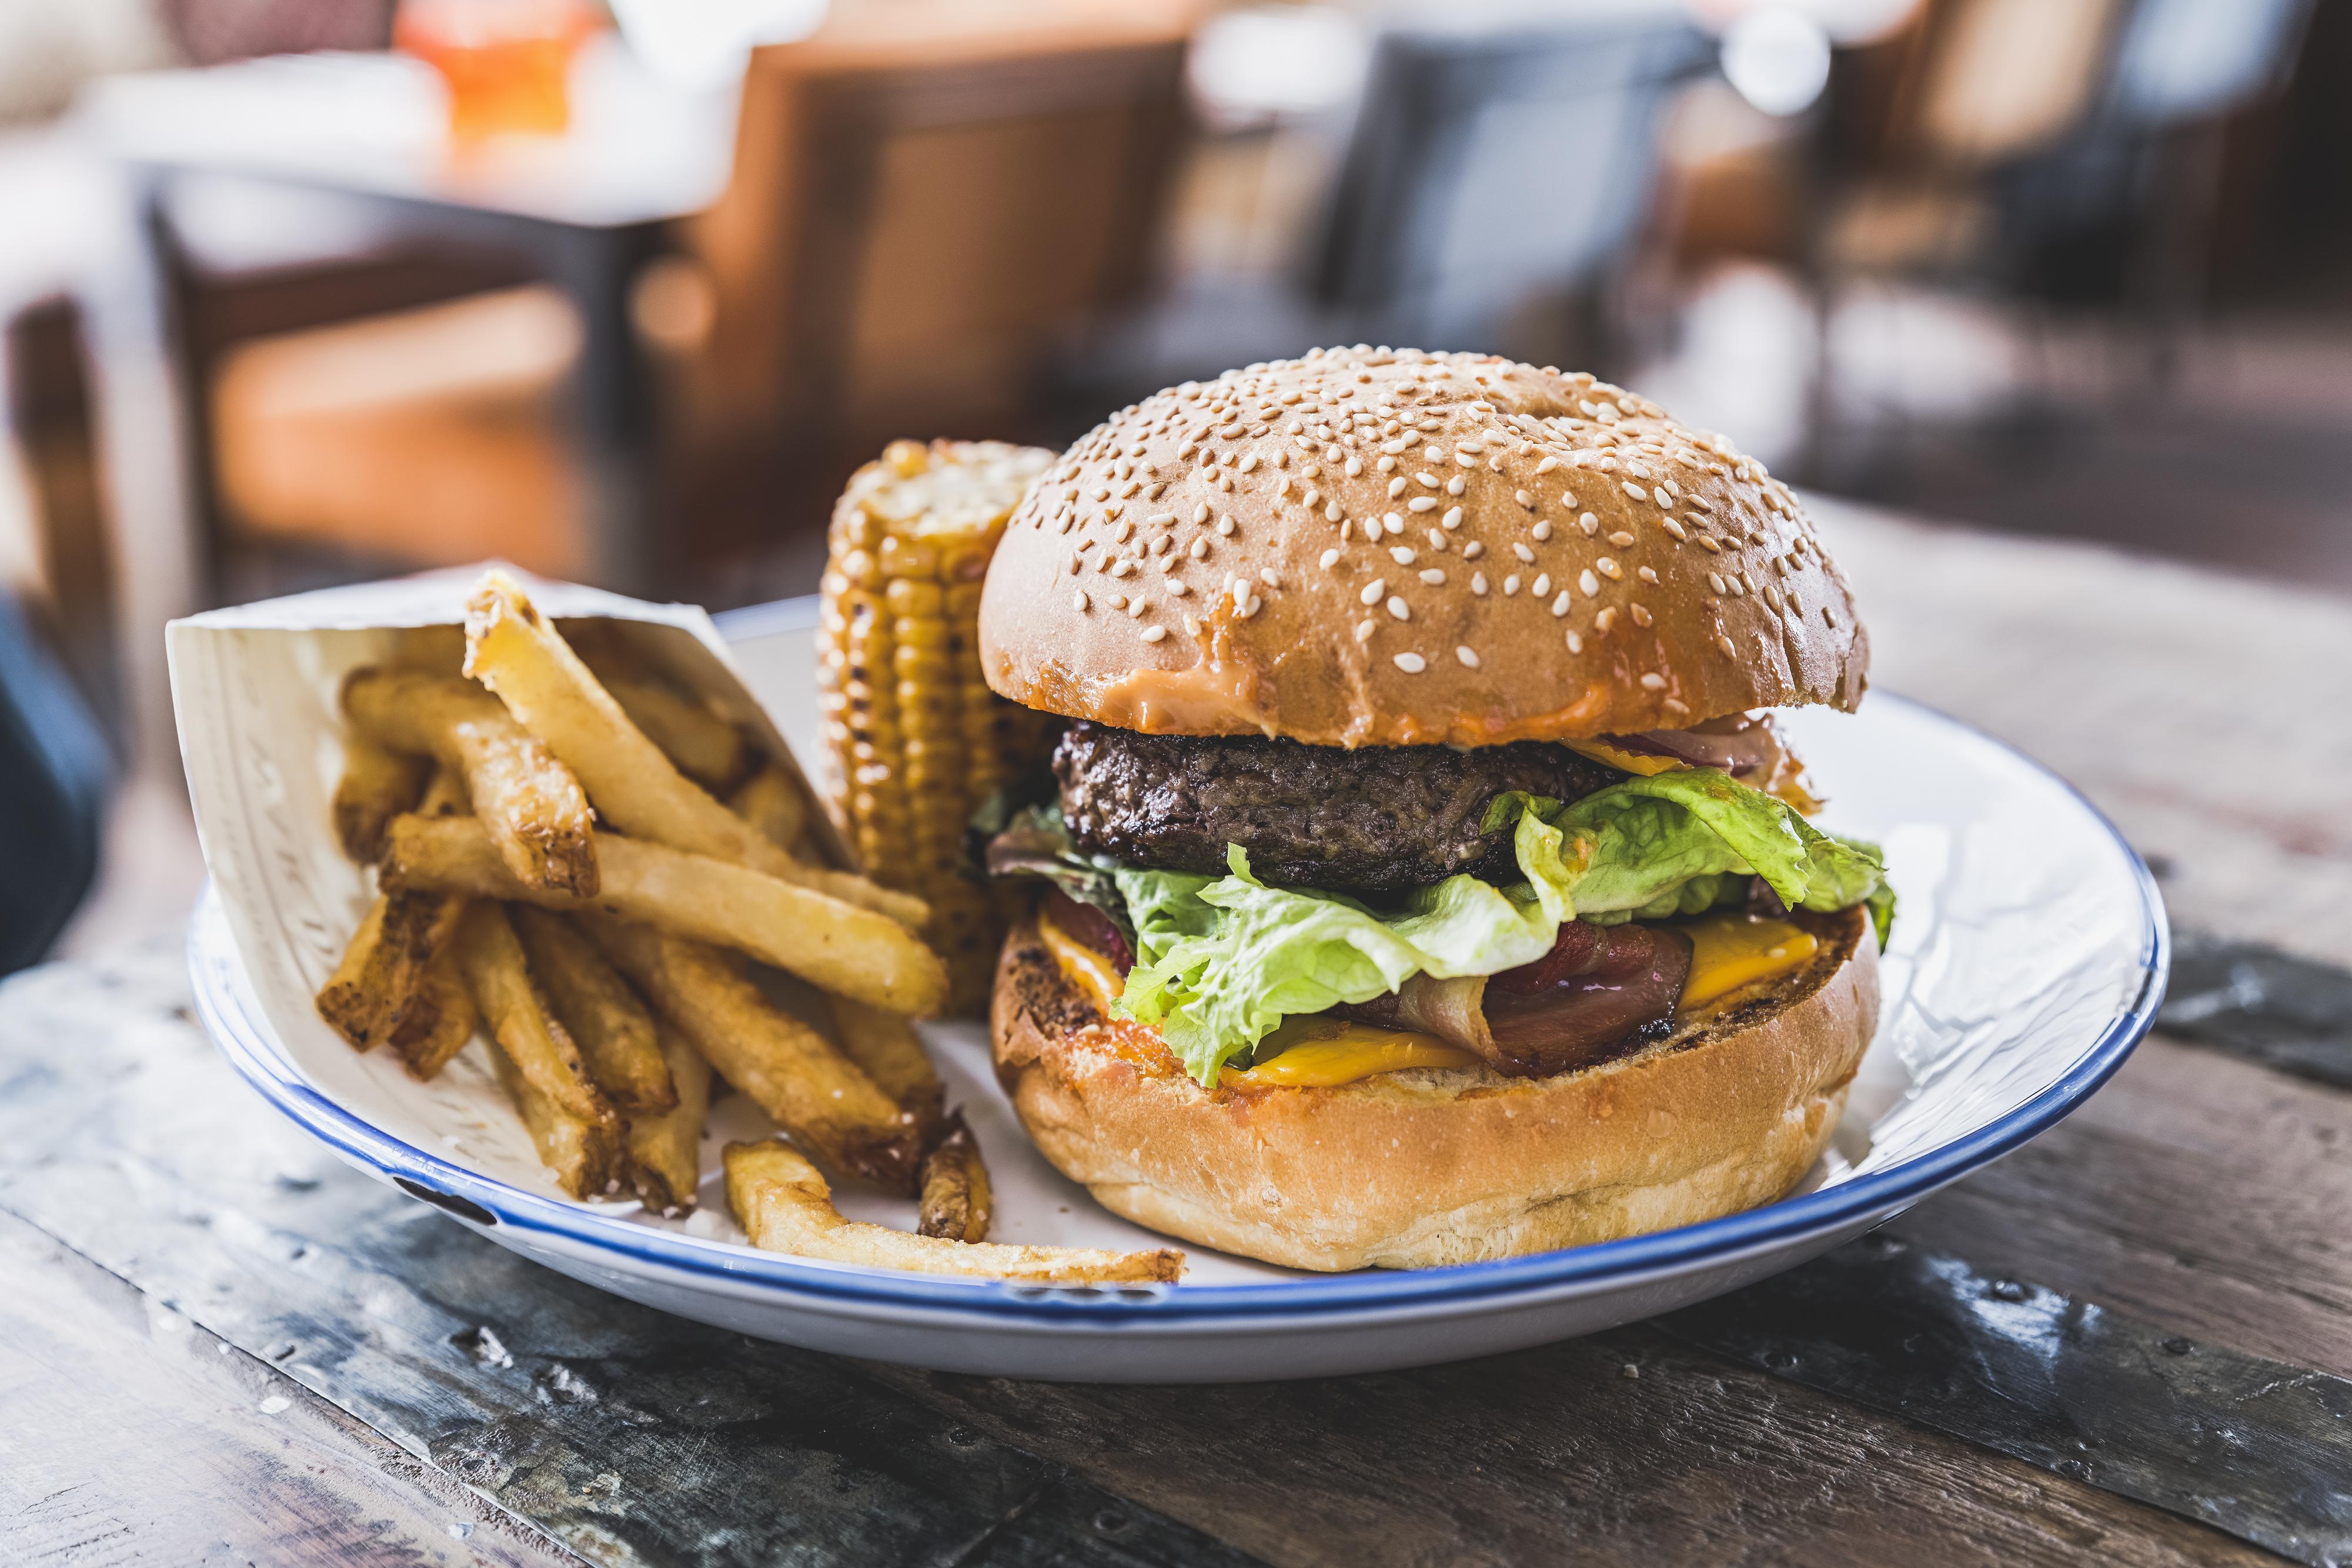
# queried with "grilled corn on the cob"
point(914, 739)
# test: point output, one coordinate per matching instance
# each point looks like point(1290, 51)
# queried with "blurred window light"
point(1272, 62)
point(1847, 22)
point(698, 44)
point(1778, 58)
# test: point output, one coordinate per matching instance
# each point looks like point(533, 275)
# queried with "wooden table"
point(216, 1345)
point(585, 209)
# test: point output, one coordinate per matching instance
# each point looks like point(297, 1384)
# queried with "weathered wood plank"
point(1557, 1454)
point(631, 1437)
point(129, 1434)
point(2195, 1190)
point(2256, 1447)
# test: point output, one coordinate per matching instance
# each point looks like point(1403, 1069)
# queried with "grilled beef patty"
point(1375, 820)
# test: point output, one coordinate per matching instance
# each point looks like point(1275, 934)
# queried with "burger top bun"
point(1375, 548)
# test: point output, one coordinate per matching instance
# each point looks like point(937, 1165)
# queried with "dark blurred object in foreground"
point(54, 773)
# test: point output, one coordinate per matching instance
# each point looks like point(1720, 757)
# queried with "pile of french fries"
point(592, 867)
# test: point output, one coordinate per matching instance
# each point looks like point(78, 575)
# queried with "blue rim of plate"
point(1858, 1200)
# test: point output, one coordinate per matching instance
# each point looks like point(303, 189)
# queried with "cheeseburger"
point(1426, 879)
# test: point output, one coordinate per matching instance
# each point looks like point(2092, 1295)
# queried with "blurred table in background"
point(582, 210)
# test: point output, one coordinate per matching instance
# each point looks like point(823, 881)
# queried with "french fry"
point(573, 1126)
point(517, 653)
point(839, 946)
point(534, 809)
point(784, 1205)
point(349, 1004)
point(437, 650)
point(785, 1068)
point(956, 1201)
point(605, 1019)
point(666, 1151)
point(705, 748)
point(772, 803)
point(885, 1049)
point(377, 785)
point(584, 1155)
point(437, 1024)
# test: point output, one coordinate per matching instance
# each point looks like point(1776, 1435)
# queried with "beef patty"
point(1375, 820)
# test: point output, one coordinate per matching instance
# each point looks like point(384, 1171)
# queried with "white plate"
point(2028, 960)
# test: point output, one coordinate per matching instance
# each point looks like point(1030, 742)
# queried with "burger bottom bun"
point(1429, 1166)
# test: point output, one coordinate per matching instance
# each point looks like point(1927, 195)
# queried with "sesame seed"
point(1547, 465)
point(1428, 480)
point(1469, 657)
point(1524, 499)
point(1609, 569)
point(1432, 576)
point(1478, 583)
point(1606, 619)
point(1641, 616)
point(1225, 527)
point(1402, 555)
point(1282, 487)
point(1396, 487)
point(1674, 529)
point(1542, 584)
point(1201, 513)
point(1542, 530)
point(1116, 601)
point(1154, 633)
point(1328, 559)
point(1121, 567)
point(1510, 585)
point(1374, 589)
point(1473, 551)
point(1393, 523)
point(1267, 576)
point(1123, 532)
point(1436, 539)
point(1621, 539)
point(1590, 584)
point(1199, 550)
point(1635, 491)
point(1523, 552)
point(1399, 608)
point(1646, 575)
point(1724, 643)
point(1136, 607)
point(1559, 602)
point(1177, 589)
point(1575, 643)
point(1192, 626)
point(1422, 504)
point(1654, 682)
point(1332, 513)
point(1411, 664)
point(1454, 487)
point(1078, 602)
point(1364, 629)
point(1708, 544)
point(1250, 609)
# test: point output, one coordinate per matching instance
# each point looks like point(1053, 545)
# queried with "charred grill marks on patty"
point(1377, 821)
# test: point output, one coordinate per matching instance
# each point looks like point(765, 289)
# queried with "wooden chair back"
point(927, 193)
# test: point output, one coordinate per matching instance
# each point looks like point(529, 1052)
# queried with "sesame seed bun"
point(1566, 562)
point(1413, 1169)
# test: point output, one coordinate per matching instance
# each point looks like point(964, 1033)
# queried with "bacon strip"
point(1598, 988)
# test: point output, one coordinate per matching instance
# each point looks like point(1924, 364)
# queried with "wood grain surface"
point(177, 1260)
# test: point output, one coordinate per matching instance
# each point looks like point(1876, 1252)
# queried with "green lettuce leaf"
point(1222, 961)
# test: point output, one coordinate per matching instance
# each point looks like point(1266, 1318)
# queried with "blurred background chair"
point(55, 771)
point(1495, 172)
point(2041, 153)
point(923, 191)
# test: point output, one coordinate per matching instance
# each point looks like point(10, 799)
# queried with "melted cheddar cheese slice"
point(1087, 969)
point(1640, 763)
point(1731, 951)
point(1320, 1052)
